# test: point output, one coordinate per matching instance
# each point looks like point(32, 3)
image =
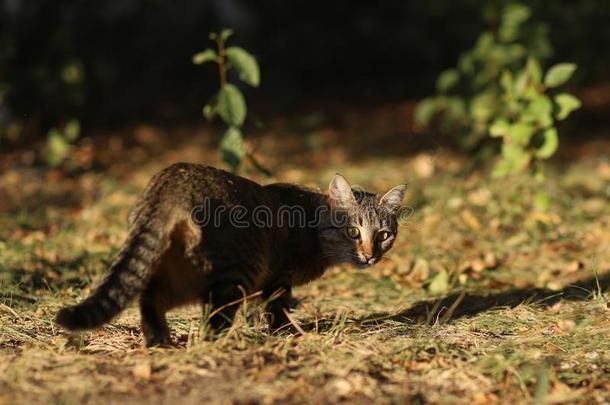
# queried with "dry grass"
point(517, 315)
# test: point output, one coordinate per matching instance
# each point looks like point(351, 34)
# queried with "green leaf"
point(539, 111)
point(534, 70)
point(513, 16)
point(211, 108)
point(559, 74)
point(514, 159)
point(424, 111)
point(507, 82)
point(516, 52)
point(72, 130)
point(207, 55)
point(232, 147)
point(491, 65)
point(484, 106)
point(439, 283)
point(567, 103)
point(466, 63)
point(516, 13)
point(56, 149)
point(502, 168)
point(245, 64)
point(225, 34)
point(542, 201)
point(447, 80)
point(522, 83)
point(455, 109)
point(209, 111)
point(499, 127)
point(231, 105)
point(550, 144)
point(73, 72)
point(519, 134)
point(483, 46)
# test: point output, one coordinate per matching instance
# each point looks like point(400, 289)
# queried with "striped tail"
point(128, 276)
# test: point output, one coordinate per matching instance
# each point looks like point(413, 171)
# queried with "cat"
point(201, 234)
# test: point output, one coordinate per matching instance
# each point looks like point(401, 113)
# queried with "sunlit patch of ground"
point(483, 299)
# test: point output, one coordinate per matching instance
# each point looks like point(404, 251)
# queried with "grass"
point(519, 314)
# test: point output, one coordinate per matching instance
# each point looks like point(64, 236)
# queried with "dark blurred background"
point(111, 63)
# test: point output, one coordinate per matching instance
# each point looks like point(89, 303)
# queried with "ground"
point(483, 299)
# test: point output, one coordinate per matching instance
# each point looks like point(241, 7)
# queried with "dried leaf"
point(142, 370)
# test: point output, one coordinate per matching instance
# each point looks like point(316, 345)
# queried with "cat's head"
point(360, 227)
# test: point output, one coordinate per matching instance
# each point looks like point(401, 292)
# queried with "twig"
point(258, 165)
point(239, 301)
point(222, 70)
point(453, 307)
point(293, 322)
point(9, 310)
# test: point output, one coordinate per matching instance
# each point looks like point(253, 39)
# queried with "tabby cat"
point(200, 234)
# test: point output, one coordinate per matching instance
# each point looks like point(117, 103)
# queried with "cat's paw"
point(161, 341)
point(280, 324)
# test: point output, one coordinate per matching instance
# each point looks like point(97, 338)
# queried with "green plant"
point(229, 103)
point(57, 147)
point(499, 90)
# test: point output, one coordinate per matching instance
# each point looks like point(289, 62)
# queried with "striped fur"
point(129, 273)
point(169, 259)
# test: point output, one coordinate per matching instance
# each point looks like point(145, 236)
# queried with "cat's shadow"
point(463, 304)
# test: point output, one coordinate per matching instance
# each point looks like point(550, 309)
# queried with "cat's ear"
point(392, 200)
point(340, 192)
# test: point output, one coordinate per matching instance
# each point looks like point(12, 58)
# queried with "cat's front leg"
point(278, 296)
point(226, 294)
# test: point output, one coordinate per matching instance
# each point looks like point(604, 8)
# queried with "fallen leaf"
point(554, 286)
point(421, 270)
point(440, 283)
point(517, 239)
point(603, 170)
point(32, 237)
point(544, 218)
point(574, 266)
point(455, 202)
point(480, 197)
point(423, 165)
point(477, 265)
point(142, 370)
point(565, 324)
point(341, 387)
point(490, 261)
point(471, 220)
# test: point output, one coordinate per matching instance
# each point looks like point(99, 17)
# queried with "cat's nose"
point(369, 259)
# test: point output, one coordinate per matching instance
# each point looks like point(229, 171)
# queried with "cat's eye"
point(353, 232)
point(383, 235)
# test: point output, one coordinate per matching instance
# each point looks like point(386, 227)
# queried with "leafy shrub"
point(229, 103)
point(499, 90)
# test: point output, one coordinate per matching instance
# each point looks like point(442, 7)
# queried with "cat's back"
point(190, 183)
